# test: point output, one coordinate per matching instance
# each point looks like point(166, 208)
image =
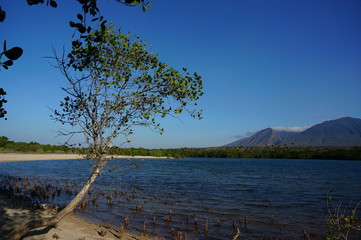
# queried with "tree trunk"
point(52, 221)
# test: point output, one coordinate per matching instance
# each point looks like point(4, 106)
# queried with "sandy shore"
point(11, 157)
point(14, 212)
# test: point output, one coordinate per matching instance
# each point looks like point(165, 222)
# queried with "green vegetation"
point(273, 152)
point(343, 220)
point(32, 147)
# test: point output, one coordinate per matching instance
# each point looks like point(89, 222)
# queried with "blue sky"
point(278, 63)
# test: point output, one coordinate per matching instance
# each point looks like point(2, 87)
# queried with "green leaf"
point(4, 45)
point(14, 53)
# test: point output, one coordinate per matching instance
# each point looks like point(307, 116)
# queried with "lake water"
point(279, 198)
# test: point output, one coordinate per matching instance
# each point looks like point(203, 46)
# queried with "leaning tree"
point(114, 85)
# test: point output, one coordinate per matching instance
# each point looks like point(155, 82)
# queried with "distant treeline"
point(32, 147)
point(280, 152)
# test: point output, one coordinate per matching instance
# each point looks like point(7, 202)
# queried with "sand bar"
point(12, 157)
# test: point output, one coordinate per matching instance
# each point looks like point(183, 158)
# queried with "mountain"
point(264, 137)
point(340, 132)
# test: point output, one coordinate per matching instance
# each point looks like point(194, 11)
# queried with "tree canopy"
point(115, 83)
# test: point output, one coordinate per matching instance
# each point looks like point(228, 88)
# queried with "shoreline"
point(14, 157)
point(15, 212)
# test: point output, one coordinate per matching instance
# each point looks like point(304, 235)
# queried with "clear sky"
point(269, 63)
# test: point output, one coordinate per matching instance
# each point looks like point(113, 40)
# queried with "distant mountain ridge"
point(264, 137)
point(340, 132)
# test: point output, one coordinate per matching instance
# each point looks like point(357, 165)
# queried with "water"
point(279, 198)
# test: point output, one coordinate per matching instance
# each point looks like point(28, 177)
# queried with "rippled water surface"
point(209, 198)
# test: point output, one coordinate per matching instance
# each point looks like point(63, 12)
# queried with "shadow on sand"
point(15, 211)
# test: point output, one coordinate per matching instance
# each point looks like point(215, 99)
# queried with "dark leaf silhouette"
point(14, 53)
point(80, 17)
point(2, 15)
point(8, 63)
point(53, 4)
point(34, 2)
point(72, 24)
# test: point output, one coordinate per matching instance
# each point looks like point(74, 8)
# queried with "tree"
point(3, 141)
point(115, 84)
point(89, 7)
point(2, 101)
